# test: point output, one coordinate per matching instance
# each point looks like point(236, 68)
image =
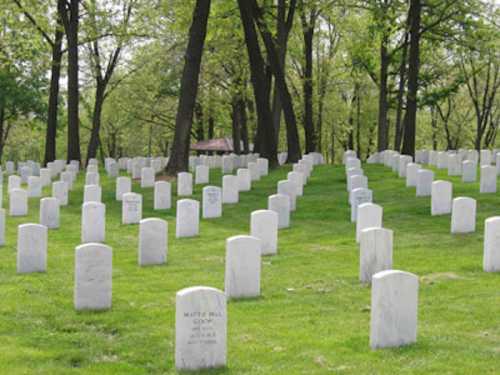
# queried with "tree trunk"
point(179, 155)
point(308, 33)
point(265, 136)
point(398, 134)
point(235, 121)
point(243, 124)
point(383, 139)
point(2, 120)
point(51, 132)
point(198, 114)
point(413, 69)
point(358, 120)
point(70, 21)
point(96, 123)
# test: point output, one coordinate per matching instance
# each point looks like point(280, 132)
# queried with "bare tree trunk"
point(383, 129)
point(179, 156)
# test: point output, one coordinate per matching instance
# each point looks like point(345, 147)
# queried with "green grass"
point(313, 315)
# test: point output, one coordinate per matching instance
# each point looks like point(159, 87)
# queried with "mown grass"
point(313, 316)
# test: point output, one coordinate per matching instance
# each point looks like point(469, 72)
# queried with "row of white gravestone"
point(394, 298)
point(463, 210)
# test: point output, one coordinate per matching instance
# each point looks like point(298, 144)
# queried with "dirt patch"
point(440, 276)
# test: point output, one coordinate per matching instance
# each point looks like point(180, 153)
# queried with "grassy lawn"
point(313, 315)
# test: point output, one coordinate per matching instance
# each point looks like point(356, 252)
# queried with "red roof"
point(216, 144)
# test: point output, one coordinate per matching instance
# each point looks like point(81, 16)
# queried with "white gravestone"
point(263, 165)
point(359, 196)
point(393, 314)
point(2, 227)
point(200, 329)
point(441, 196)
point(18, 202)
point(212, 202)
point(425, 178)
point(264, 226)
point(49, 212)
point(491, 257)
point(454, 165)
point(285, 187)
point(227, 164)
point(123, 186)
point(296, 178)
point(230, 189)
point(202, 174)
point(411, 174)
point(153, 241)
point(488, 179)
point(93, 277)
point(244, 179)
point(147, 177)
point(45, 177)
point(280, 204)
point(187, 218)
point(369, 216)
point(243, 263)
point(352, 172)
point(469, 171)
point(34, 187)
point(485, 157)
point(60, 191)
point(162, 195)
point(254, 171)
point(184, 184)
point(92, 178)
point(93, 222)
point(31, 248)
point(375, 252)
point(92, 193)
point(131, 208)
point(463, 215)
point(14, 183)
point(68, 178)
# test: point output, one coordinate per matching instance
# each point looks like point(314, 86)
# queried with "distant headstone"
point(488, 180)
point(2, 227)
point(18, 202)
point(358, 197)
point(264, 226)
point(263, 165)
point(411, 174)
point(254, 171)
point(425, 178)
point(92, 193)
point(375, 252)
point(60, 191)
point(212, 202)
point(162, 195)
point(187, 218)
point(230, 189)
point(34, 187)
point(184, 184)
point(202, 174)
point(31, 248)
point(244, 179)
point(296, 179)
point(441, 196)
point(469, 171)
point(200, 329)
point(92, 178)
point(369, 216)
point(93, 277)
point(93, 222)
point(243, 263)
point(131, 208)
point(49, 212)
point(393, 320)
point(280, 204)
point(147, 177)
point(491, 257)
point(14, 183)
point(45, 177)
point(153, 241)
point(463, 215)
point(285, 187)
point(123, 186)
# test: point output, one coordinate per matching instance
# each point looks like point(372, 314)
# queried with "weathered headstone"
point(425, 178)
point(153, 241)
point(394, 304)
point(441, 196)
point(93, 277)
point(280, 204)
point(92, 193)
point(200, 329)
point(375, 254)
point(31, 248)
point(49, 212)
point(187, 218)
point(14, 183)
point(243, 263)
point(162, 195)
point(212, 202)
point(18, 202)
point(488, 179)
point(131, 208)
point(184, 184)
point(463, 215)
point(230, 189)
point(264, 226)
point(60, 191)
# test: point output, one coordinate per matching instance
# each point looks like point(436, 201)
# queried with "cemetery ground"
point(313, 316)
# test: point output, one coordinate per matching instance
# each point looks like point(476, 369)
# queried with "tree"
point(179, 155)
point(69, 13)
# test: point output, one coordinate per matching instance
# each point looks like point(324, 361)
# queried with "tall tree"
point(70, 14)
point(265, 131)
point(179, 155)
